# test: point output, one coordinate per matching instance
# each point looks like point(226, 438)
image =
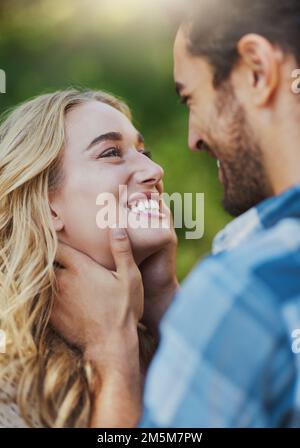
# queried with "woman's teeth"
point(145, 206)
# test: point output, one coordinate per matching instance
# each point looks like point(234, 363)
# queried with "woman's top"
point(10, 416)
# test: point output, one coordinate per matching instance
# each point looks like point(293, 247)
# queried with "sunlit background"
point(125, 47)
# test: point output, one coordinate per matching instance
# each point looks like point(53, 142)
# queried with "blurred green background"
point(124, 47)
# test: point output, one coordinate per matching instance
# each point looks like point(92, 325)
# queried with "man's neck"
point(282, 155)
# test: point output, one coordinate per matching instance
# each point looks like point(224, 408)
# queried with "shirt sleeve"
point(225, 357)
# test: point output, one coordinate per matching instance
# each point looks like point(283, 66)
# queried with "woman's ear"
point(56, 219)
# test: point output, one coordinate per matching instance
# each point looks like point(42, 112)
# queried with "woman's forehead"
point(93, 118)
point(95, 112)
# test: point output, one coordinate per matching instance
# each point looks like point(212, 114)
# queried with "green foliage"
point(47, 45)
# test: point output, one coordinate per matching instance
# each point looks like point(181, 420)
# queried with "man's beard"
point(245, 182)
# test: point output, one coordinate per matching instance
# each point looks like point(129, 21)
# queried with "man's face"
point(218, 124)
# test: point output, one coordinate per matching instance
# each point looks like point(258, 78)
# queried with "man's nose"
point(194, 140)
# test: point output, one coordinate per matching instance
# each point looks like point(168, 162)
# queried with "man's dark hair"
point(214, 28)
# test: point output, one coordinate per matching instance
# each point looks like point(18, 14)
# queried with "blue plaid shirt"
point(226, 356)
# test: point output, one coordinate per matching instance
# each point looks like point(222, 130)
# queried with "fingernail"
point(118, 233)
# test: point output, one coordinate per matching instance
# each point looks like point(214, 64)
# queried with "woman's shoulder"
point(10, 415)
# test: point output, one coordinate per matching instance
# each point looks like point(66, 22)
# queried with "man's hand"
point(99, 310)
point(95, 306)
point(159, 280)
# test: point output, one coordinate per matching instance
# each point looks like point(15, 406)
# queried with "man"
point(225, 357)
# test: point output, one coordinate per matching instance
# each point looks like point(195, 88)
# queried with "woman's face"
point(103, 151)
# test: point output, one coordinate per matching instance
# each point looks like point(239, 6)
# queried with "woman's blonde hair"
point(53, 381)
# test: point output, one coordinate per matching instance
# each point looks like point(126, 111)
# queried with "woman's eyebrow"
point(112, 136)
point(109, 136)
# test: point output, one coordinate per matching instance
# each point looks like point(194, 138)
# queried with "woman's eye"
point(110, 152)
point(147, 154)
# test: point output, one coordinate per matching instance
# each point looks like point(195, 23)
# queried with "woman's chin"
point(146, 242)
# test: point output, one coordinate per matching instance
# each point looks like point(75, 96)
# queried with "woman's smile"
point(146, 204)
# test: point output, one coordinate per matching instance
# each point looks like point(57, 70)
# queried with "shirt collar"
point(264, 215)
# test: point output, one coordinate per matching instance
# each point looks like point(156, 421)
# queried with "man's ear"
point(262, 62)
point(56, 219)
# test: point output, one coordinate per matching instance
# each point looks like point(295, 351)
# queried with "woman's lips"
point(146, 203)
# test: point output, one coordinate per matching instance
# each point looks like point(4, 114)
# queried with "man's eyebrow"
point(109, 136)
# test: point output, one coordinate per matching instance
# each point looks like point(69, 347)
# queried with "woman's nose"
point(148, 172)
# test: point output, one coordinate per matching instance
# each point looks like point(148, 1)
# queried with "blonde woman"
point(58, 152)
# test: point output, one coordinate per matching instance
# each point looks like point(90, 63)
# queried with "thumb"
point(121, 250)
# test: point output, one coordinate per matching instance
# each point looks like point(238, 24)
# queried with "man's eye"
point(110, 152)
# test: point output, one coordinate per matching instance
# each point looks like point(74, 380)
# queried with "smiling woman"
point(57, 153)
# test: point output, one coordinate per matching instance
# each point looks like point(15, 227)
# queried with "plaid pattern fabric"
point(225, 358)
